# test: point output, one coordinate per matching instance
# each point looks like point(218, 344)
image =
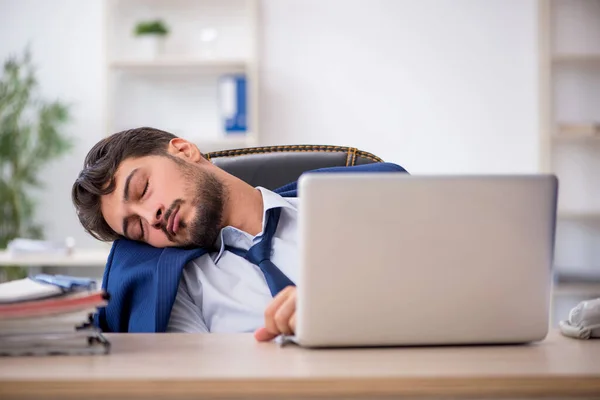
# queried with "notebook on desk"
point(393, 259)
point(47, 315)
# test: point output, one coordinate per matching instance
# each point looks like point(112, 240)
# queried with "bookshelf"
point(177, 88)
point(570, 127)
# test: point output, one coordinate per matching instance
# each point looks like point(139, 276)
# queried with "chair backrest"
point(275, 166)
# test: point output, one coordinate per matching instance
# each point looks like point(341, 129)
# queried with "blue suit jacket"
point(142, 280)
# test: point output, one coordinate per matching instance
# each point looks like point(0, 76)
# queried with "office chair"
point(275, 166)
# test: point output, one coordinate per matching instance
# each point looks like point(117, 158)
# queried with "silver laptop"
point(394, 259)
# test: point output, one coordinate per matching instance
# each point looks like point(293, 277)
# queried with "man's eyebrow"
point(127, 181)
point(126, 198)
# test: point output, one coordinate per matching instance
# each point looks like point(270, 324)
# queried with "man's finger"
point(293, 322)
point(284, 314)
point(263, 335)
point(273, 307)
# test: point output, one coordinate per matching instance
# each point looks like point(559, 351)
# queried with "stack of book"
point(50, 314)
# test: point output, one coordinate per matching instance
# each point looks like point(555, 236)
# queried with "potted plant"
point(31, 135)
point(151, 37)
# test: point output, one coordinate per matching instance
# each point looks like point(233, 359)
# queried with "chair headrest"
point(274, 166)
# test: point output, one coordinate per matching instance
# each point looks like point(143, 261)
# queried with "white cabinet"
point(177, 85)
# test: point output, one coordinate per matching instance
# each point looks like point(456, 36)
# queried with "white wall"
point(67, 46)
point(439, 86)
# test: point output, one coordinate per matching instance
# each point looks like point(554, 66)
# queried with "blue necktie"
point(260, 254)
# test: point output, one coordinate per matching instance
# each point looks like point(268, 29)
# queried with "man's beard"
point(207, 196)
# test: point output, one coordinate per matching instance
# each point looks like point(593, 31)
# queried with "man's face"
point(165, 201)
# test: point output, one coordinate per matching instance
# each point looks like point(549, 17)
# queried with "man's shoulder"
point(291, 189)
point(372, 167)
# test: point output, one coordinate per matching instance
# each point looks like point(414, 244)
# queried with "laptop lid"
point(394, 259)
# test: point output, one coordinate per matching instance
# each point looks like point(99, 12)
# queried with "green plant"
point(156, 27)
point(30, 137)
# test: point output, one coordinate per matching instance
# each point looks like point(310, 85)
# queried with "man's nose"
point(153, 214)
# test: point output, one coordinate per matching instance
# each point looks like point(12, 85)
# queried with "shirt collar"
point(272, 200)
point(229, 234)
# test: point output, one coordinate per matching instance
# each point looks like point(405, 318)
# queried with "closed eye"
point(142, 233)
point(145, 188)
point(141, 230)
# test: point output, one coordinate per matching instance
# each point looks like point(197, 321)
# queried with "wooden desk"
point(235, 366)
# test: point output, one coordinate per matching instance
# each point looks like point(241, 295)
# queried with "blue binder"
point(233, 97)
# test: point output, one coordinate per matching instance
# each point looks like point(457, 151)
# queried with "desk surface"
point(171, 365)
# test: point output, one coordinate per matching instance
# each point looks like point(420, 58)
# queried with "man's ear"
point(181, 148)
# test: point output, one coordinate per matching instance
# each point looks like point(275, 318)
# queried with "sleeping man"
point(195, 249)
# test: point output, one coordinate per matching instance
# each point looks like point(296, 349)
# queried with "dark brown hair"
point(98, 175)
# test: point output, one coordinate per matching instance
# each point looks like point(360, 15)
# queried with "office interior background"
point(437, 86)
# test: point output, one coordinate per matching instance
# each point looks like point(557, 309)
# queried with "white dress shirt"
point(222, 292)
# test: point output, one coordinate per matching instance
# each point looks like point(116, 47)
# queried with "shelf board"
point(577, 58)
point(586, 284)
point(579, 215)
point(575, 137)
point(225, 143)
point(191, 64)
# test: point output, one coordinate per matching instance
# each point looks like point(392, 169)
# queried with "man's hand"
point(280, 316)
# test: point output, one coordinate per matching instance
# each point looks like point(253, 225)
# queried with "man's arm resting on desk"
point(280, 315)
